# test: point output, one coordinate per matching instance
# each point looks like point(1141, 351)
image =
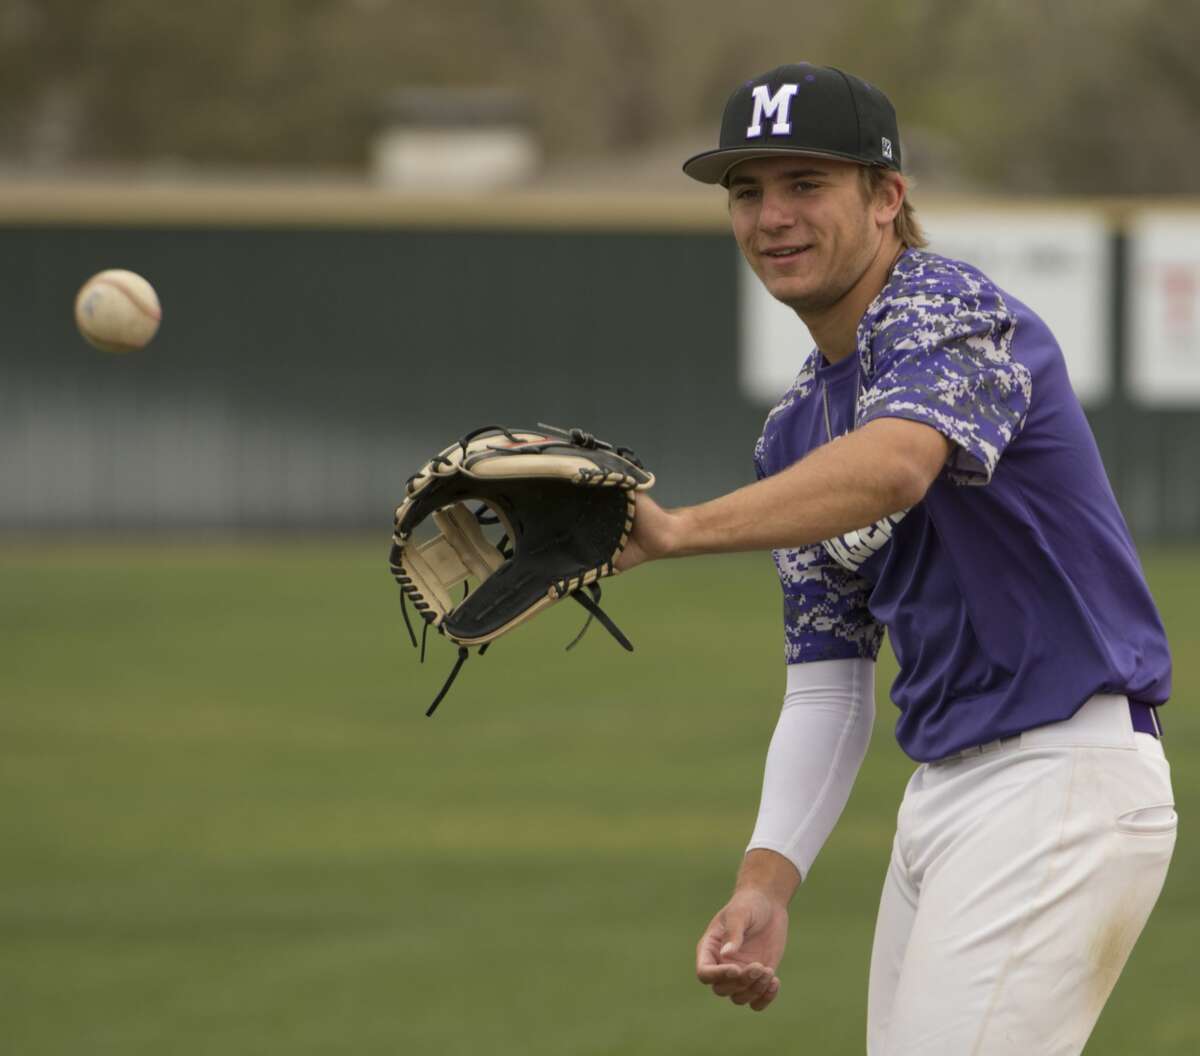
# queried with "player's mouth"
point(784, 254)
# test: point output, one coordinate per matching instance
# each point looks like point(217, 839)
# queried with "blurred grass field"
point(227, 826)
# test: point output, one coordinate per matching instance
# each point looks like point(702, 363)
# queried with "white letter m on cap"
point(776, 106)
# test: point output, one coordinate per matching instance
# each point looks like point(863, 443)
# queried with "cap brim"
point(713, 165)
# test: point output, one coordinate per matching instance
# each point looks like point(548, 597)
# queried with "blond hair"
point(906, 225)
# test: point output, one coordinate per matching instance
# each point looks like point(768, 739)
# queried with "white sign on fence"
point(1163, 366)
point(1055, 262)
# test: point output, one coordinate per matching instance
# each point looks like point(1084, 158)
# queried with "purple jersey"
point(1008, 603)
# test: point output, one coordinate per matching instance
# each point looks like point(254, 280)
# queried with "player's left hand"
point(741, 947)
point(651, 537)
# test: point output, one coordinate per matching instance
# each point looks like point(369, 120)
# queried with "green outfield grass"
point(228, 828)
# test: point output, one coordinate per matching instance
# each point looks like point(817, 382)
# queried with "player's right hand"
point(740, 949)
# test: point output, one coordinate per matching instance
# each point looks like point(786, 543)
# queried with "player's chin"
point(793, 290)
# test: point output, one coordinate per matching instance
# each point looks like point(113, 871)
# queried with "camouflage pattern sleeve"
point(936, 347)
point(825, 614)
point(760, 470)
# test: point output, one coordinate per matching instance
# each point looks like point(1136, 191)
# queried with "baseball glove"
point(565, 504)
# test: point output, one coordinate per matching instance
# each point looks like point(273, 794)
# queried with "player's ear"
point(887, 195)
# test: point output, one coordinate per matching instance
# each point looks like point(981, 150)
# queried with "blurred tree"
point(1044, 95)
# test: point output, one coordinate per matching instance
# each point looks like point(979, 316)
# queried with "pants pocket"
point(1149, 821)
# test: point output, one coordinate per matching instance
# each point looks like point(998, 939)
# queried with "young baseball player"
point(930, 472)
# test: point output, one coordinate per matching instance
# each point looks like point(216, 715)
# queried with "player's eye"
point(745, 193)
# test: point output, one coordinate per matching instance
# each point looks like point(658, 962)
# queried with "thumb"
point(735, 932)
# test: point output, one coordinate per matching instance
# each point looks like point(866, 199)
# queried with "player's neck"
point(835, 329)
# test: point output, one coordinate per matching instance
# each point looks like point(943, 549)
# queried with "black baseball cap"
point(815, 111)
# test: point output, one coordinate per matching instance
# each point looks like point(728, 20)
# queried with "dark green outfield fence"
point(302, 371)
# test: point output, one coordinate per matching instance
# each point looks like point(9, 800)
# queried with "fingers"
point(767, 997)
point(725, 977)
point(744, 984)
point(712, 974)
point(736, 979)
point(759, 994)
point(709, 968)
point(754, 984)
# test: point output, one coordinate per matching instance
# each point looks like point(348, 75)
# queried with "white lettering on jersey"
point(776, 106)
point(854, 549)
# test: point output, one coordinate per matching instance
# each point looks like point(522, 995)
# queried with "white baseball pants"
point(1021, 875)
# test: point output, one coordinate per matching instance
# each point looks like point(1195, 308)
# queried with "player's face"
point(805, 227)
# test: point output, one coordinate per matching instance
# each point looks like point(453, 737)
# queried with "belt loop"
point(1144, 718)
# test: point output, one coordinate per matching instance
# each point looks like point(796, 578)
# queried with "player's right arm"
point(818, 746)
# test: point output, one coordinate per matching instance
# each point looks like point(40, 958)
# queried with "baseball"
point(117, 311)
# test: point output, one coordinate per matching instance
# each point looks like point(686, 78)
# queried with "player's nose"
point(776, 213)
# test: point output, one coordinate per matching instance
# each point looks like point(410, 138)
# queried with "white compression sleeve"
point(818, 746)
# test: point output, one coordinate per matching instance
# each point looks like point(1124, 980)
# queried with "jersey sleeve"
point(825, 612)
point(760, 469)
point(942, 351)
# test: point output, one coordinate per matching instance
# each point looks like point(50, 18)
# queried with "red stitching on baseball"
point(145, 309)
